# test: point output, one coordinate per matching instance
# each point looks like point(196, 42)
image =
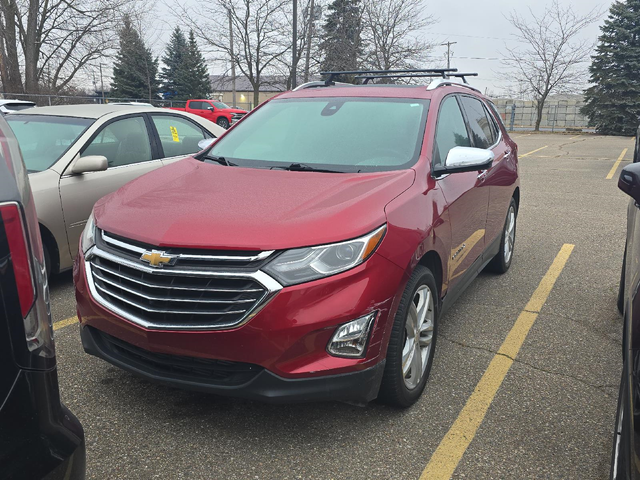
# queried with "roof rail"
point(439, 82)
point(440, 72)
point(316, 84)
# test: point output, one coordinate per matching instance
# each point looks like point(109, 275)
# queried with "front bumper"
point(361, 386)
point(287, 339)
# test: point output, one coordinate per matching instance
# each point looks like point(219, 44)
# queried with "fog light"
point(350, 339)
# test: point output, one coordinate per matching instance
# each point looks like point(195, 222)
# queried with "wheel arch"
point(433, 262)
point(49, 241)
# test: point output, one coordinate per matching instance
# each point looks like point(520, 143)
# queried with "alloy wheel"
point(418, 337)
point(509, 234)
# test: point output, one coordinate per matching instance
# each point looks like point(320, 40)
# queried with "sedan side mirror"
point(90, 163)
point(465, 159)
point(629, 181)
point(206, 143)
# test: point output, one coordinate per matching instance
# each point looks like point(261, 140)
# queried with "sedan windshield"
point(337, 134)
point(44, 139)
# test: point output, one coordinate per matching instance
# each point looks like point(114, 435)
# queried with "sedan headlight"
point(88, 235)
point(305, 264)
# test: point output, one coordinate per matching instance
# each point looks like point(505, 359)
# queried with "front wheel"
point(223, 122)
point(502, 261)
point(413, 341)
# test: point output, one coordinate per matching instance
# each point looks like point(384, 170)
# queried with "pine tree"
point(613, 102)
point(135, 70)
point(342, 45)
point(198, 83)
point(174, 73)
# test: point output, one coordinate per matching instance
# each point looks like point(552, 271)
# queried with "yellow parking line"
point(615, 165)
point(445, 459)
point(534, 151)
point(65, 323)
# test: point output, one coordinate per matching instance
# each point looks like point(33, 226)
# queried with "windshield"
point(341, 134)
point(43, 139)
point(220, 105)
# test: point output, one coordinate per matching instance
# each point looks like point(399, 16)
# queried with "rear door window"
point(178, 136)
point(481, 132)
point(195, 105)
point(451, 130)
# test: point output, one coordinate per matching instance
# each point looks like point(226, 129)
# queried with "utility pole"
point(101, 84)
point(233, 63)
point(448, 45)
point(294, 69)
point(311, 20)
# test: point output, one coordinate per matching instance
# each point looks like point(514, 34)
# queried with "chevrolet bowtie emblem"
point(156, 258)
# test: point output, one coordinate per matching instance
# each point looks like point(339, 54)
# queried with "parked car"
point(10, 106)
point(39, 437)
point(310, 252)
point(135, 104)
point(626, 445)
point(217, 112)
point(79, 153)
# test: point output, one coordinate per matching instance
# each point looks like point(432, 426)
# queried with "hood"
point(192, 204)
point(234, 110)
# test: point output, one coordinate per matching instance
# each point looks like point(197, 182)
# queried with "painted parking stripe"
point(615, 165)
point(65, 323)
point(445, 459)
point(534, 151)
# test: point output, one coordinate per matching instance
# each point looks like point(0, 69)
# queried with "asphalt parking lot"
point(551, 415)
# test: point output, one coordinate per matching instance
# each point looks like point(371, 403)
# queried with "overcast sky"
point(479, 27)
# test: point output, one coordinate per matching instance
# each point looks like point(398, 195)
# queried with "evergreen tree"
point(135, 70)
point(198, 83)
point(341, 48)
point(174, 73)
point(613, 102)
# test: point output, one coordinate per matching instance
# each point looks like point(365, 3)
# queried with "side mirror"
point(206, 143)
point(90, 163)
point(465, 159)
point(629, 181)
point(211, 109)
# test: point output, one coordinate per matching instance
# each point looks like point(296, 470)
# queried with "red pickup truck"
point(217, 112)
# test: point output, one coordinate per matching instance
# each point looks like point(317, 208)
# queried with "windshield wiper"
point(303, 167)
point(220, 160)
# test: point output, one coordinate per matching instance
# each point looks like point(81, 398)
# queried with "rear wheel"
point(413, 341)
point(502, 261)
point(223, 122)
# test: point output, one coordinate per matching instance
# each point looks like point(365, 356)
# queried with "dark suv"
point(39, 437)
point(309, 253)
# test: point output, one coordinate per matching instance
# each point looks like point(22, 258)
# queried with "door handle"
point(482, 175)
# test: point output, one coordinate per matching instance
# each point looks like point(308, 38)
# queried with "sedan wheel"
point(418, 337)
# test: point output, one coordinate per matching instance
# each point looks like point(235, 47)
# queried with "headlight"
point(88, 235)
point(305, 264)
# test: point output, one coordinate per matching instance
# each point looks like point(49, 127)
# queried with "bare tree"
point(259, 34)
point(393, 33)
point(549, 60)
point(44, 44)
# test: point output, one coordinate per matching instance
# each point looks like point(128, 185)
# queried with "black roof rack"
point(436, 72)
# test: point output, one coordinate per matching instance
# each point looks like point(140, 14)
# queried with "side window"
point(450, 131)
point(478, 122)
point(495, 131)
point(195, 105)
point(177, 135)
point(123, 142)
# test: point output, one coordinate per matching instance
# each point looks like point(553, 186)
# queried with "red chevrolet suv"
point(310, 252)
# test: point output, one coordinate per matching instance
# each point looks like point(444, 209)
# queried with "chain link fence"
point(557, 114)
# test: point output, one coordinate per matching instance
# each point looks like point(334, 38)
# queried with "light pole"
point(294, 69)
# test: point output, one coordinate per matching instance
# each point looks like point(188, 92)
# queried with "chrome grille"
point(174, 297)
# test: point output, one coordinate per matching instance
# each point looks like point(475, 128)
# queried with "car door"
point(466, 197)
point(126, 142)
point(485, 134)
point(177, 136)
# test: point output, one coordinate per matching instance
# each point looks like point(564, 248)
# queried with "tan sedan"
point(77, 154)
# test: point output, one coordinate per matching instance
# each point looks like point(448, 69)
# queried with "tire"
point(418, 312)
point(223, 122)
point(502, 261)
point(621, 286)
